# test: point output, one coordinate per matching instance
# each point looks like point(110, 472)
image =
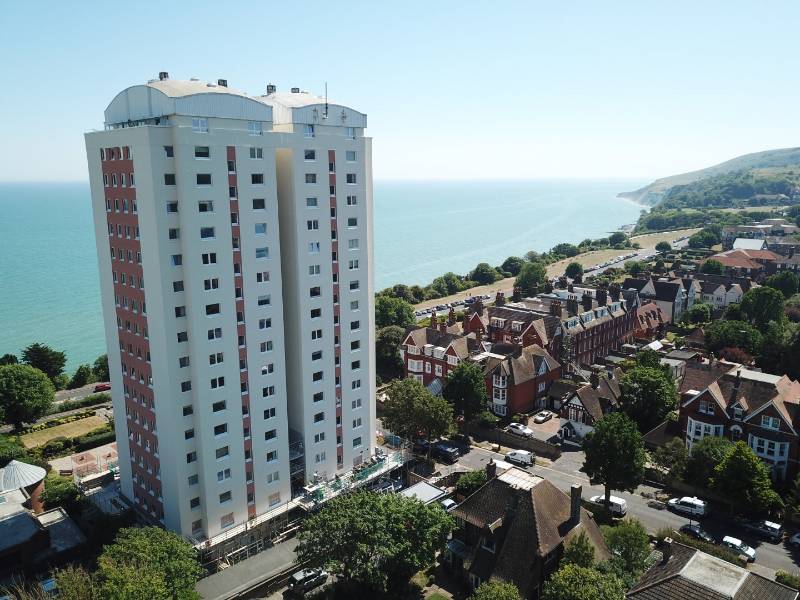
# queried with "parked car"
point(795, 540)
point(616, 506)
point(521, 457)
point(543, 416)
point(306, 580)
point(689, 505)
point(448, 504)
point(445, 452)
point(421, 446)
point(739, 547)
point(768, 529)
point(520, 429)
point(102, 387)
point(697, 533)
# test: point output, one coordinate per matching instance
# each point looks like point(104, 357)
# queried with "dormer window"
point(770, 422)
point(516, 326)
point(706, 407)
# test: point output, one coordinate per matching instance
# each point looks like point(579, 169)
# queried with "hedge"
point(86, 442)
point(712, 549)
point(61, 421)
point(91, 400)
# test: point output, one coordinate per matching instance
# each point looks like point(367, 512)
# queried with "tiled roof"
point(427, 335)
point(599, 401)
point(700, 375)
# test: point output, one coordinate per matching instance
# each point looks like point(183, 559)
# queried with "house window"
point(311, 202)
point(257, 178)
point(312, 224)
point(258, 204)
point(352, 201)
point(350, 155)
point(310, 155)
point(311, 178)
point(222, 452)
point(352, 244)
point(203, 179)
point(262, 252)
point(202, 152)
point(308, 131)
point(254, 127)
point(256, 153)
point(207, 233)
point(770, 422)
point(169, 178)
point(351, 178)
point(200, 125)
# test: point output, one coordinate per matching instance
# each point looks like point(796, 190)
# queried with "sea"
point(49, 290)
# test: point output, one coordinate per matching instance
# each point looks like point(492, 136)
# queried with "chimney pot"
point(491, 469)
point(666, 549)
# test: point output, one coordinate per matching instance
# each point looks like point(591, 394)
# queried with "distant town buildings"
point(234, 239)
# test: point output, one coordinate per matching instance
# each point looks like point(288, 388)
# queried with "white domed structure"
point(16, 475)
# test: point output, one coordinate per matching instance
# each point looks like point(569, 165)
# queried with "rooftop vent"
point(222, 82)
point(162, 75)
point(271, 88)
point(295, 90)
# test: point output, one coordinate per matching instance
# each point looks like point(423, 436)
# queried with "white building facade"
point(238, 312)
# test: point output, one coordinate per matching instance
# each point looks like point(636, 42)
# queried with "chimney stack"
point(594, 378)
point(586, 300)
point(570, 288)
point(491, 470)
point(602, 296)
point(222, 82)
point(465, 323)
point(562, 282)
point(434, 319)
point(555, 308)
point(479, 306)
point(451, 316)
point(548, 287)
point(163, 75)
point(500, 299)
point(666, 549)
point(575, 504)
point(443, 325)
point(516, 294)
point(615, 290)
point(271, 88)
point(535, 290)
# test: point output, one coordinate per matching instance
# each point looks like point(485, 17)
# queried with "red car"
point(102, 387)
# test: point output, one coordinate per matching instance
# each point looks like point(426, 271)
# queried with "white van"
point(689, 505)
point(616, 506)
point(520, 457)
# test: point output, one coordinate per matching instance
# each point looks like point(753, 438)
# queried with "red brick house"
point(588, 404)
point(518, 382)
point(650, 322)
point(429, 354)
point(730, 401)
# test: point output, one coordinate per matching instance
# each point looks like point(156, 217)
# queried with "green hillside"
point(758, 172)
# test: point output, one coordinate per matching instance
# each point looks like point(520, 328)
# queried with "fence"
point(538, 447)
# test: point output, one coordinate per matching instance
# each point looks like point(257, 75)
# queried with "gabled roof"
point(601, 400)
point(749, 244)
point(528, 518)
point(522, 366)
point(461, 344)
point(667, 291)
point(694, 575)
point(699, 376)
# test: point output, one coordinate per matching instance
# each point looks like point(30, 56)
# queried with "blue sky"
point(452, 89)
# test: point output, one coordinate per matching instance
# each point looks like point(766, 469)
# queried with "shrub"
point(470, 482)
point(793, 581)
point(56, 446)
point(60, 491)
point(91, 400)
point(486, 419)
point(93, 440)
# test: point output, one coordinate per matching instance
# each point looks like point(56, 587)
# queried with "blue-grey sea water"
point(49, 288)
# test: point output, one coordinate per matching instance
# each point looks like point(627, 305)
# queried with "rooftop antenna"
point(325, 114)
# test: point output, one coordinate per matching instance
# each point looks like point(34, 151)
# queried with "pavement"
point(566, 470)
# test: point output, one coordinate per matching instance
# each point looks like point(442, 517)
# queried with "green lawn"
point(68, 430)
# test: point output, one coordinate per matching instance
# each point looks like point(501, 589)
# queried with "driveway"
point(547, 430)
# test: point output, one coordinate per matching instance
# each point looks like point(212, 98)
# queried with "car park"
point(521, 457)
point(520, 429)
point(543, 416)
point(306, 580)
point(739, 547)
point(697, 533)
point(689, 505)
point(767, 529)
point(616, 506)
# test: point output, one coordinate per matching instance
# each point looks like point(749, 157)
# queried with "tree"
point(8, 359)
point(148, 562)
point(25, 394)
point(387, 351)
point(572, 582)
point(634, 267)
point(470, 482)
point(785, 282)
point(647, 395)
point(663, 247)
point(565, 250)
point(496, 590)
point(465, 387)
point(393, 311)
point(100, 368)
point(484, 274)
point(705, 455)
point(761, 305)
point(736, 355)
point(574, 271)
point(60, 491)
point(705, 238)
point(83, 376)
point(412, 411)
point(630, 542)
point(724, 334)
point(513, 265)
point(744, 481)
point(672, 457)
point(649, 358)
point(617, 239)
point(615, 455)
point(699, 313)
point(532, 274)
point(42, 357)
point(579, 551)
point(375, 540)
point(712, 267)
point(733, 312)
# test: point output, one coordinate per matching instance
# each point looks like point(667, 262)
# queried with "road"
point(506, 285)
point(565, 471)
point(77, 393)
